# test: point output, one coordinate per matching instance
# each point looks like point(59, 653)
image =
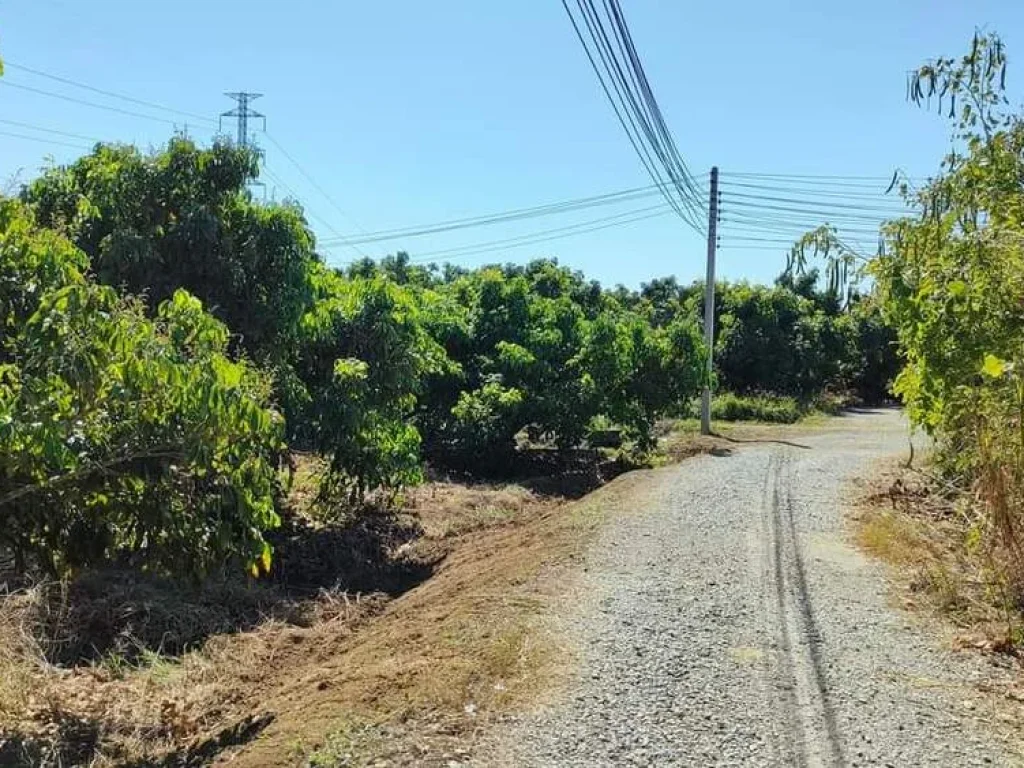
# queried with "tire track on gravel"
point(800, 681)
point(722, 619)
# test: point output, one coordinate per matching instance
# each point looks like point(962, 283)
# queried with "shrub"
point(951, 283)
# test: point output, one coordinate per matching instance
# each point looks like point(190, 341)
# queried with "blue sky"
point(407, 112)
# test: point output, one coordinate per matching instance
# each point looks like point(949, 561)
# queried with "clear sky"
point(407, 112)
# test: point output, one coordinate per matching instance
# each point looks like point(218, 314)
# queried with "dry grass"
point(332, 677)
point(907, 520)
point(891, 536)
point(433, 670)
point(454, 509)
point(21, 659)
point(259, 676)
point(447, 656)
point(927, 533)
point(126, 709)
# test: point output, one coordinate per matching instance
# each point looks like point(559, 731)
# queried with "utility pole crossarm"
point(709, 304)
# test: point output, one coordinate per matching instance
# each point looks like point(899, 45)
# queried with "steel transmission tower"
point(242, 113)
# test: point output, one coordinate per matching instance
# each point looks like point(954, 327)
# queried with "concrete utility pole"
point(242, 113)
point(709, 303)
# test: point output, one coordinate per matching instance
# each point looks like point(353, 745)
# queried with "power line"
point(834, 211)
point(750, 222)
point(44, 141)
point(629, 78)
point(738, 197)
point(642, 152)
point(816, 212)
point(800, 227)
point(623, 29)
point(615, 220)
point(609, 198)
point(321, 190)
point(132, 113)
point(637, 113)
point(111, 94)
point(809, 176)
point(800, 220)
point(751, 231)
point(765, 237)
point(643, 112)
point(307, 210)
point(772, 248)
point(542, 235)
point(83, 102)
point(782, 247)
point(848, 221)
point(279, 182)
point(635, 106)
point(856, 193)
point(499, 246)
point(533, 240)
point(517, 214)
point(54, 131)
point(751, 239)
point(794, 232)
point(626, 79)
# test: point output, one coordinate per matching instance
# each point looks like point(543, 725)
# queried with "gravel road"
point(725, 620)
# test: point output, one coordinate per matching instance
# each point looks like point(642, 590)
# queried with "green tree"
point(772, 339)
point(122, 437)
point(540, 349)
point(641, 373)
point(183, 218)
point(364, 355)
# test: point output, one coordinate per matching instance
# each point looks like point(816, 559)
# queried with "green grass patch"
point(768, 408)
point(773, 409)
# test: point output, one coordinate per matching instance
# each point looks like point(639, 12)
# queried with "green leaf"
point(994, 367)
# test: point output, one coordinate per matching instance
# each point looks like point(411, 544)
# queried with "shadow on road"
point(867, 410)
point(760, 440)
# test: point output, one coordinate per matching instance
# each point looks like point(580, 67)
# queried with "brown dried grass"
point(172, 675)
point(928, 532)
point(145, 706)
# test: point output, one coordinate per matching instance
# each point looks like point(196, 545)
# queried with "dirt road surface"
point(725, 620)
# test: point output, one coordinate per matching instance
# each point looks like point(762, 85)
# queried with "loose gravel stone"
point(726, 622)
